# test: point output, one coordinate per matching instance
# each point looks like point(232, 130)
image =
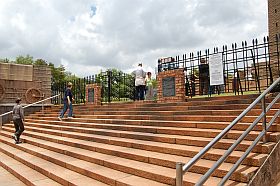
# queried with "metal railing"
point(251, 66)
point(115, 86)
point(181, 169)
point(41, 101)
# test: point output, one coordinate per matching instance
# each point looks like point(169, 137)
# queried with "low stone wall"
point(268, 174)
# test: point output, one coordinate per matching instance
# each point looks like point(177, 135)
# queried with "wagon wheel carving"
point(2, 92)
point(33, 95)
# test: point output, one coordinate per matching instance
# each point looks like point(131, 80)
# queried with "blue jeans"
point(65, 107)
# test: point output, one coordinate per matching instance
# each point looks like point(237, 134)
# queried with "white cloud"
point(89, 35)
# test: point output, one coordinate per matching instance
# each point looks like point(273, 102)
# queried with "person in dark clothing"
point(67, 103)
point(203, 77)
point(18, 119)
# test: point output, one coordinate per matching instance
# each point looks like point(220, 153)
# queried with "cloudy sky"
point(89, 35)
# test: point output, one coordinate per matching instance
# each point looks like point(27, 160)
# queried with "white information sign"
point(216, 69)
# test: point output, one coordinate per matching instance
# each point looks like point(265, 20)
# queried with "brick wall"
point(96, 96)
point(179, 76)
point(43, 74)
point(273, 17)
point(12, 85)
point(273, 29)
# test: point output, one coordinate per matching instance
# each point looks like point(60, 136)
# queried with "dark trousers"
point(203, 85)
point(140, 92)
point(19, 127)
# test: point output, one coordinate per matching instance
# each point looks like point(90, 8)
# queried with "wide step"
point(56, 155)
point(27, 175)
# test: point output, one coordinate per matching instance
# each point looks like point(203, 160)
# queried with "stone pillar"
point(93, 94)
point(171, 86)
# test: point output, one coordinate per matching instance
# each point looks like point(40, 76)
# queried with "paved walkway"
point(7, 179)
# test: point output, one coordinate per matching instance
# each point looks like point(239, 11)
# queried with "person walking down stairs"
point(67, 103)
point(18, 119)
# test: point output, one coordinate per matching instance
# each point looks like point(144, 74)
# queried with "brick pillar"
point(171, 86)
point(93, 94)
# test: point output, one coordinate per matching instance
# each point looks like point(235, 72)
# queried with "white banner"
point(216, 69)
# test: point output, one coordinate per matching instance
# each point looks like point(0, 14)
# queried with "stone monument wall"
point(171, 86)
point(30, 83)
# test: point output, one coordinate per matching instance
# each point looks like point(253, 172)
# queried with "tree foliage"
point(25, 60)
point(40, 62)
point(59, 74)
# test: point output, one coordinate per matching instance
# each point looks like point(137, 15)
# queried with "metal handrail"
point(182, 169)
point(41, 101)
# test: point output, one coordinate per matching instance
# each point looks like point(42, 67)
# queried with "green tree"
point(4, 60)
point(58, 73)
point(27, 60)
point(40, 62)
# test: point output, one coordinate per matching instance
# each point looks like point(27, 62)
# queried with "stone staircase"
point(133, 143)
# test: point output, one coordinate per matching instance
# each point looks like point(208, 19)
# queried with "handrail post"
point(43, 104)
point(264, 120)
point(179, 174)
point(1, 122)
point(43, 107)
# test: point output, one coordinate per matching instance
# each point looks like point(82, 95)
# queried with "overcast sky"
point(89, 35)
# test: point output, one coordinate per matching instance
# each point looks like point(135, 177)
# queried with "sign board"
point(216, 69)
point(168, 86)
point(91, 95)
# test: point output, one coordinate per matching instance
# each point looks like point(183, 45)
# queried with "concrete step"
point(224, 118)
point(254, 159)
point(42, 168)
point(125, 164)
point(129, 113)
point(190, 122)
point(6, 176)
point(148, 125)
point(71, 170)
point(54, 160)
point(158, 107)
point(232, 97)
point(26, 174)
point(199, 101)
point(185, 137)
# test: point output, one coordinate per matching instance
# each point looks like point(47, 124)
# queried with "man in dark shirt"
point(18, 119)
point(203, 77)
point(67, 101)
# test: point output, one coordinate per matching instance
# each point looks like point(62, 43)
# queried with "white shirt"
point(139, 75)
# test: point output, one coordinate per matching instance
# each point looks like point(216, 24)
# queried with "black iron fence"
point(246, 68)
point(115, 86)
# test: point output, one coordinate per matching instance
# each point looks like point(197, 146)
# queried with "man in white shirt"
point(139, 75)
